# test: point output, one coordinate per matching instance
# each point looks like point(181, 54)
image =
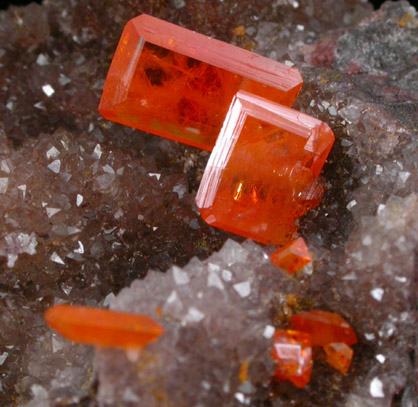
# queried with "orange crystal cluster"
point(292, 349)
point(176, 83)
point(292, 256)
point(263, 172)
point(100, 327)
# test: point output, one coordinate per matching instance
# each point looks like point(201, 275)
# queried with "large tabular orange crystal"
point(339, 356)
point(324, 327)
point(293, 354)
point(101, 327)
point(293, 256)
point(176, 83)
point(262, 173)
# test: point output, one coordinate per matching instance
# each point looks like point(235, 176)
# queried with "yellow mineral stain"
point(243, 372)
point(408, 20)
point(239, 31)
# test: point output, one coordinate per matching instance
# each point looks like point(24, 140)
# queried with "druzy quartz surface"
point(71, 231)
point(177, 83)
point(187, 302)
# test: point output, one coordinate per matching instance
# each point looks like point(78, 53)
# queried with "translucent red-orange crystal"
point(293, 354)
point(176, 83)
point(293, 256)
point(324, 327)
point(101, 327)
point(339, 356)
point(262, 173)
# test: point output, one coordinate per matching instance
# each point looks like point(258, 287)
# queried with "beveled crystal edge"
point(216, 53)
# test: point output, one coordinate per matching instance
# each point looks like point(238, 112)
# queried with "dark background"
point(5, 4)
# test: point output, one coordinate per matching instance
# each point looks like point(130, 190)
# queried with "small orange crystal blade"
point(339, 356)
point(293, 354)
point(293, 256)
point(324, 327)
point(102, 327)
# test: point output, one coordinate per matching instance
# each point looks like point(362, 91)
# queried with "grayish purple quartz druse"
point(216, 319)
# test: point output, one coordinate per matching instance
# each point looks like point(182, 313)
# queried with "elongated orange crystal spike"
point(100, 327)
point(176, 83)
point(324, 327)
point(292, 256)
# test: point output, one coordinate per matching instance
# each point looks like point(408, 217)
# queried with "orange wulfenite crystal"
point(262, 173)
point(101, 327)
point(324, 327)
point(293, 354)
point(293, 256)
point(339, 356)
point(176, 83)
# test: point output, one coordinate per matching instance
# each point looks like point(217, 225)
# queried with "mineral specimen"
point(293, 256)
point(176, 83)
point(363, 236)
point(262, 173)
point(100, 327)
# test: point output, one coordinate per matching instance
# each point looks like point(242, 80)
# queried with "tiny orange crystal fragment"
point(100, 327)
point(339, 356)
point(293, 256)
point(293, 354)
point(324, 327)
point(176, 83)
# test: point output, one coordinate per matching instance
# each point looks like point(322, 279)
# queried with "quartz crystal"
point(170, 81)
point(339, 356)
point(263, 172)
point(324, 327)
point(293, 256)
point(101, 327)
point(293, 354)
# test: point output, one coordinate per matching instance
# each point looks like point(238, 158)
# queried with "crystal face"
point(176, 83)
point(293, 256)
point(324, 327)
point(262, 173)
point(293, 354)
point(100, 327)
point(339, 356)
